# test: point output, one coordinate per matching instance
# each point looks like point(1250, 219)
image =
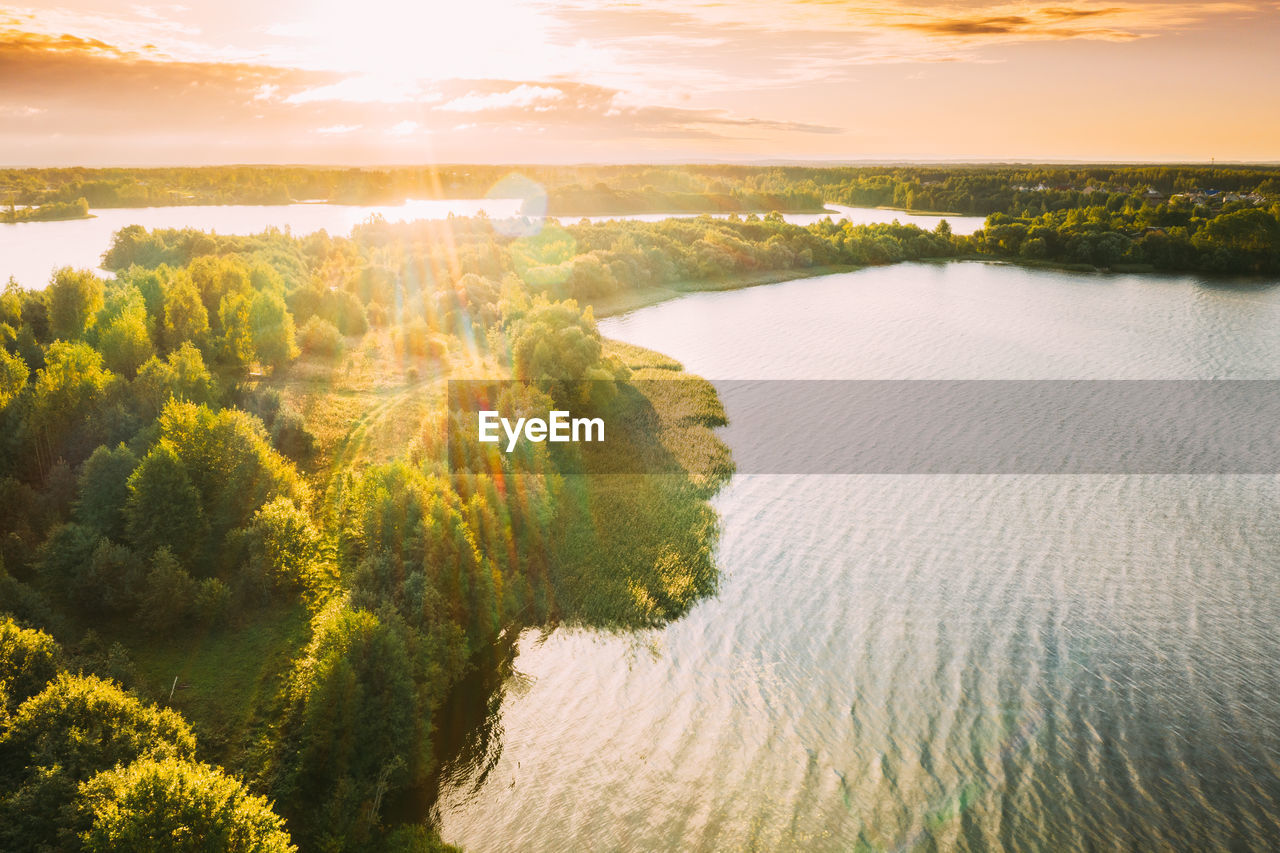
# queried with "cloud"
point(871, 31)
point(1031, 24)
point(522, 96)
point(593, 109)
point(368, 88)
point(66, 93)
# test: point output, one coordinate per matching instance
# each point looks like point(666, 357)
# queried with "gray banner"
point(965, 427)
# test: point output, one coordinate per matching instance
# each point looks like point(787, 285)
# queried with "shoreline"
point(758, 211)
point(623, 303)
point(915, 212)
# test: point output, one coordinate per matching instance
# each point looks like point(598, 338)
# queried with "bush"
point(377, 314)
point(417, 340)
point(213, 600)
point(291, 437)
point(169, 596)
point(287, 543)
point(110, 580)
point(321, 338)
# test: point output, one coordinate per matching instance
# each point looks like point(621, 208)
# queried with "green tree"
point(182, 375)
point(231, 462)
point(356, 731)
point(217, 277)
point(13, 376)
point(169, 594)
point(235, 344)
point(558, 346)
point(68, 393)
point(29, 660)
point(75, 728)
point(125, 343)
point(104, 489)
point(288, 542)
point(169, 806)
point(273, 334)
point(163, 509)
point(321, 338)
point(74, 298)
point(185, 316)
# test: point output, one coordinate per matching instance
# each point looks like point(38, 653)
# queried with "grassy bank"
point(621, 303)
point(921, 212)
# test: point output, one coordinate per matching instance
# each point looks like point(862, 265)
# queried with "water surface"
point(926, 662)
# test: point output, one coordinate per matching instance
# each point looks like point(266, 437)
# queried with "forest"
point(230, 613)
point(980, 190)
point(240, 571)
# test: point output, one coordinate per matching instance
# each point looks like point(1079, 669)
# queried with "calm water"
point(30, 251)
point(926, 662)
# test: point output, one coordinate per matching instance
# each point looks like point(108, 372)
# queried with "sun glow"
point(395, 46)
point(563, 80)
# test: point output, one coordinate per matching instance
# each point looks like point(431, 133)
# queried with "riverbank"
point(718, 211)
point(915, 212)
point(621, 303)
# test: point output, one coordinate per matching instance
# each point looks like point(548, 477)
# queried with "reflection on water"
point(925, 662)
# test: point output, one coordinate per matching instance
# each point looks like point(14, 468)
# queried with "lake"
point(941, 662)
point(30, 251)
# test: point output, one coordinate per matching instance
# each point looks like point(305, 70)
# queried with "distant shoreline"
point(631, 301)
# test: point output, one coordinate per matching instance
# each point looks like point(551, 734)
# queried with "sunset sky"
point(93, 82)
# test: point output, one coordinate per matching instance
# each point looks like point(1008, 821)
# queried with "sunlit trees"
point(217, 278)
point(75, 728)
point(181, 375)
point(170, 806)
point(358, 724)
point(1251, 230)
point(13, 376)
point(286, 541)
point(29, 660)
point(235, 344)
point(74, 298)
point(185, 315)
point(557, 345)
point(230, 461)
point(321, 338)
point(163, 509)
point(125, 343)
point(272, 328)
point(69, 390)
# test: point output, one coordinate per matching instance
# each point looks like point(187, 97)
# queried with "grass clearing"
point(228, 677)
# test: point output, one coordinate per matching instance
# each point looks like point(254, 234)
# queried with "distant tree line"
point(1016, 190)
point(1127, 233)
